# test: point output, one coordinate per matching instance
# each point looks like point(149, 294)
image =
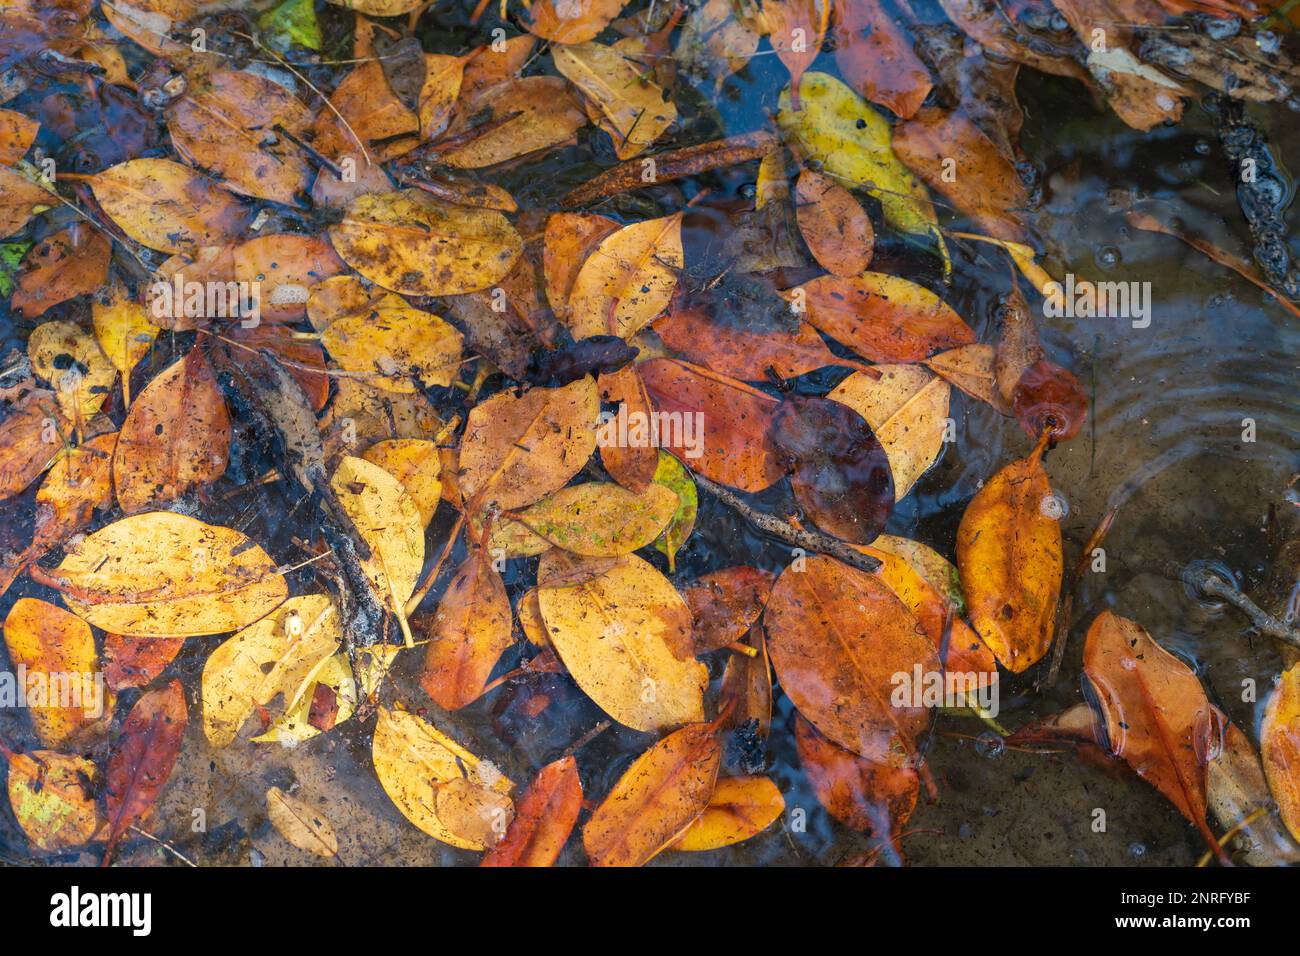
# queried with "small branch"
point(1213, 585)
point(798, 537)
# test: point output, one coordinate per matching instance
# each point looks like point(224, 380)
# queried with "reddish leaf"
point(726, 604)
point(135, 661)
point(874, 55)
point(841, 473)
point(143, 758)
point(544, 818)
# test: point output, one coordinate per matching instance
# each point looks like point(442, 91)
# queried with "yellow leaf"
point(301, 824)
point(167, 206)
point(416, 464)
point(80, 386)
point(125, 333)
point(52, 798)
point(400, 346)
point(628, 280)
point(620, 634)
point(279, 655)
point(602, 519)
point(632, 109)
point(415, 762)
point(409, 242)
point(161, 574)
point(907, 408)
point(740, 808)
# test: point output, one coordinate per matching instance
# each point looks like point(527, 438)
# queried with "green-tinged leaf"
point(671, 474)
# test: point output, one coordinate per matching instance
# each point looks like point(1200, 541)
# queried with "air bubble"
point(1268, 42)
point(991, 745)
point(1108, 257)
point(1053, 506)
point(1137, 850)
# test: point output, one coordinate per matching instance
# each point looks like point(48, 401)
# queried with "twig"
point(799, 537)
point(1210, 584)
point(165, 845)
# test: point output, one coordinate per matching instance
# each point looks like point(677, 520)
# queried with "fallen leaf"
point(627, 280)
point(729, 438)
point(883, 318)
point(625, 636)
point(726, 604)
point(672, 475)
point(839, 471)
point(175, 438)
point(467, 634)
point(655, 800)
point(167, 206)
point(873, 52)
point(834, 225)
point(837, 637)
point(907, 408)
point(162, 574)
point(544, 818)
point(626, 103)
point(415, 763)
point(548, 115)
point(143, 758)
point(796, 29)
point(571, 21)
point(125, 332)
point(398, 347)
point(74, 364)
point(600, 518)
point(67, 264)
point(56, 652)
point(134, 662)
point(741, 808)
point(1280, 747)
point(52, 799)
point(416, 464)
point(518, 449)
point(411, 243)
point(1009, 555)
point(301, 824)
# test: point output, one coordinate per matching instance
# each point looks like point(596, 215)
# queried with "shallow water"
point(1164, 435)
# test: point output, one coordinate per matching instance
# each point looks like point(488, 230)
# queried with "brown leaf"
point(796, 30)
point(837, 637)
point(167, 206)
point(143, 758)
point(1158, 719)
point(725, 604)
point(872, 798)
point(72, 262)
point(1280, 747)
point(841, 474)
point(834, 225)
point(735, 447)
point(467, 634)
point(135, 661)
point(656, 799)
point(548, 116)
point(882, 317)
point(544, 818)
point(571, 21)
point(1009, 555)
point(175, 438)
point(874, 54)
point(631, 464)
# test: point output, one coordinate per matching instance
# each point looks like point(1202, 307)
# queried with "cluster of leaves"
point(363, 205)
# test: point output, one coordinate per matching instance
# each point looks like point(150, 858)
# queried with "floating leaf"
point(56, 651)
point(624, 635)
point(167, 206)
point(670, 473)
point(282, 654)
point(632, 463)
point(600, 518)
point(467, 634)
point(655, 800)
point(536, 113)
point(77, 485)
point(284, 268)
point(29, 441)
point(70, 263)
point(628, 280)
point(544, 818)
point(20, 200)
point(882, 317)
point(740, 808)
point(1009, 554)
point(131, 662)
point(730, 423)
point(74, 364)
point(143, 759)
point(571, 21)
point(386, 517)
point(417, 465)
point(17, 133)
point(796, 30)
point(1280, 747)
point(230, 122)
point(726, 604)
point(416, 763)
point(837, 637)
point(517, 449)
point(162, 574)
point(399, 347)
point(1158, 719)
point(301, 824)
point(833, 224)
point(907, 408)
point(125, 333)
point(841, 474)
point(175, 438)
point(626, 102)
point(970, 368)
point(409, 242)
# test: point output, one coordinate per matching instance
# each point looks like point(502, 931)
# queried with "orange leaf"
point(544, 818)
